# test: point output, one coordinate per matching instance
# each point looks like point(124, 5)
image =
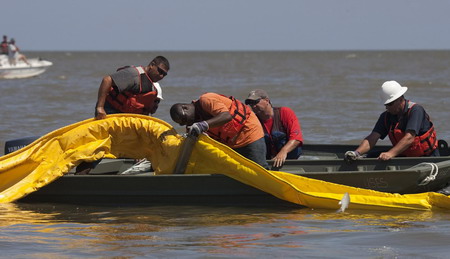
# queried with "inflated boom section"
point(117, 136)
point(137, 136)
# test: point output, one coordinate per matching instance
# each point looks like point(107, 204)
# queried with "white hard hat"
point(391, 91)
point(159, 91)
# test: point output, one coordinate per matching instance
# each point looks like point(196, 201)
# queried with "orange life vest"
point(139, 103)
point(227, 133)
point(422, 145)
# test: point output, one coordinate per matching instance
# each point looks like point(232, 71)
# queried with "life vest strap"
point(237, 113)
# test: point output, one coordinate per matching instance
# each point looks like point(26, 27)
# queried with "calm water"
point(335, 96)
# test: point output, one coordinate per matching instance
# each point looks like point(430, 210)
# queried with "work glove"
point(352, 156)
point(198, 128)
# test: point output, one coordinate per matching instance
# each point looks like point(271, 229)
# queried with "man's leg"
point(255, 151)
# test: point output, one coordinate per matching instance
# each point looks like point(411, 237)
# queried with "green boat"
point(106, 184)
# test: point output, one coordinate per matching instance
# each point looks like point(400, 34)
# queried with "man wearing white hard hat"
point(406, 123)
point(131, 89)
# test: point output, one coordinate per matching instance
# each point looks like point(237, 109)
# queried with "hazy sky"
point(227, 25)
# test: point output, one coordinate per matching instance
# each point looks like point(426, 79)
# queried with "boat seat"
point(317, 156)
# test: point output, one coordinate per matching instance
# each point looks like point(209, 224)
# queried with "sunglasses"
point(161, 71)
point(252, 102)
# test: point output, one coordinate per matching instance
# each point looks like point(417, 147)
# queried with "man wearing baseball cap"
point(406, 123)
point(282, 131)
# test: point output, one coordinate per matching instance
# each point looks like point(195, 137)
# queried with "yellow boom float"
point(136, 136)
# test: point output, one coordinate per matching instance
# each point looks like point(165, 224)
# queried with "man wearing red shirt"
point(282, 130)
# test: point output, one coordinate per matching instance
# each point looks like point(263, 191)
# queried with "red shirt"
point(290, 123)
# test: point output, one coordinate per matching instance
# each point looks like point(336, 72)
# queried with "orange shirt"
point(214, 104)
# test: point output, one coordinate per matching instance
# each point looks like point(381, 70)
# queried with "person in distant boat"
point(14, 54)
point(4, 45)
point(131, 89)
point(406, 123)
point(282, 130)
point(226, 120)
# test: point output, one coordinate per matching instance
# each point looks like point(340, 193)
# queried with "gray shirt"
point(417, 121)
point(127, 79)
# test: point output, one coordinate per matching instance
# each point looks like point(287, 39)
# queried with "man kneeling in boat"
point(406, 123)
point(282, 131)
point(226, 120)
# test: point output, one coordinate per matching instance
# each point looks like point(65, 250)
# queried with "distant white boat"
point(21, 69)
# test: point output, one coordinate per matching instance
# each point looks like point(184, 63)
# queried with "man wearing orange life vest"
point(132, 89)
point(226, 120)
point(406, 123)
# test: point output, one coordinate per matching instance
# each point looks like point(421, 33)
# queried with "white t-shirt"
point(12, 51)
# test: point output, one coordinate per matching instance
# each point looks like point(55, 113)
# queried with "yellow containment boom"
point(137, 136)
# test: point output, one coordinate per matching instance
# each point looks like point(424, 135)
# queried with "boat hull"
point(152, 190)
point(399, 175)
point(23, 70)
point(105, 184)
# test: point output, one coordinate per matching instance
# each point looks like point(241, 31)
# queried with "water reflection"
point(159, 215)
point(207, 216)
point(197, 230)
point(11, 214)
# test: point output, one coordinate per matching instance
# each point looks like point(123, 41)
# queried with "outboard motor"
point(443, 148)
point(16, 144)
